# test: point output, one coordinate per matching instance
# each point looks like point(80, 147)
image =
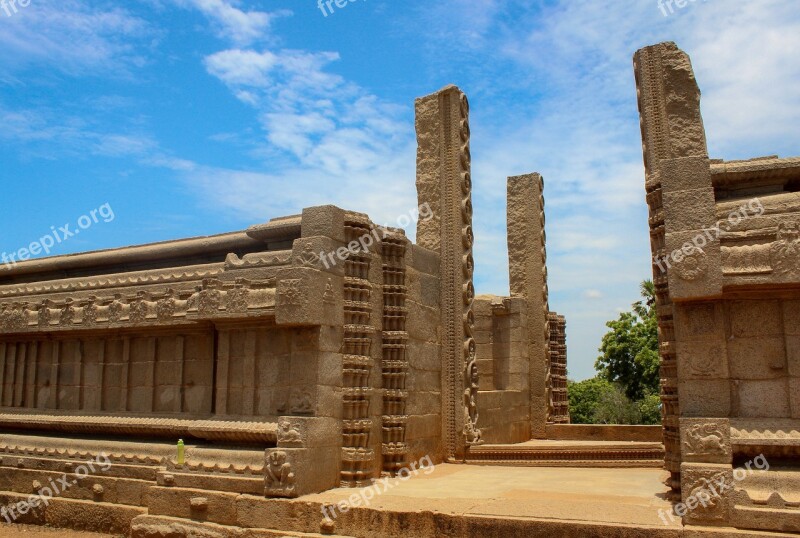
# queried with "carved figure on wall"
point(67, 314)
point(288, 434)
point(236, 299)
point(209, 298)
point(704, 439)
point(301, 403)
point(785, 251)
point(309, 258)
point(44, 313)
point(279, 475)
point(473, 434)
point(693, 266)
point(292, 293)
point(139, 307)
point(165, 308)
point(328, 297)
point(90, 311)
point(115, 308)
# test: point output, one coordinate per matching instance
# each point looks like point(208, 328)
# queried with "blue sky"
point(195, 117)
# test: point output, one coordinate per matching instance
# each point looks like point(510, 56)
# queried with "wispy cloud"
point(230, 22)
point(73, 37)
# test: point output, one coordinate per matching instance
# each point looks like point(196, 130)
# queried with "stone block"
point(692, 209)
point(706, 440)
point(694, 273)
point(765, 398)
point(793, 355)
point(309, 432)
point(762, 357)
point(703, 359)
point(794, 396)
point(421, 403)
point(424, 356)
point(424, 260)
point(791, 317)
point(686, 174)
point(755, 318)
point(422, 321)
point(326, 220)
point(308, 297)
point(699, 321)
point(330, 369)
point(705, 493)
point(192, 504)
point(291, 472)
point(708, 398)
point(424, 426)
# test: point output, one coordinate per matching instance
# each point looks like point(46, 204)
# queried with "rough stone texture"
point(727, 304)
point(444, 183)
point(528, 279)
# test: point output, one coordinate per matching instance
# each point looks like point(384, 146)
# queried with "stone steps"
point(570, 454)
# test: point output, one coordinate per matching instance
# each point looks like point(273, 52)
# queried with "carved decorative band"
point(358, 331)
point(210, 300)
point(212, 430)
point(395, 365)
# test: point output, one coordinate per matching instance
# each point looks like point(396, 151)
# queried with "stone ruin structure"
point(725, 242)
point(310, 352)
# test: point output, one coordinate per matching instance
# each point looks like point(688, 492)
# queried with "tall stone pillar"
point(444, 182)
point(527, 271)
point(679, 194)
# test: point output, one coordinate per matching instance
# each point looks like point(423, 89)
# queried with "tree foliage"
point(584, 397)
point(630, 349)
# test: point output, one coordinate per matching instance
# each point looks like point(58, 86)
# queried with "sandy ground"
point(9, 531)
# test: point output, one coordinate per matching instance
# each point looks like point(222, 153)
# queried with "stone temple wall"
point(310, 352)
point(725, 243)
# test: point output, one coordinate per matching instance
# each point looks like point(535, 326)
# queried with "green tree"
point(650, 409)
point(630, 349)
point(615, 407)
point(584, 396)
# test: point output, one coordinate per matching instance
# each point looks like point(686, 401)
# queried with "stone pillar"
point(679, 195)
point(444, 182)
point(527, 271)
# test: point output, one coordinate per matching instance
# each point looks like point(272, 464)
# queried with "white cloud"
point(573, 118)
point(73, 37)
point(230, 22)
point(322, 122)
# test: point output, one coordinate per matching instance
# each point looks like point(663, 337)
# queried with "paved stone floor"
point(564, 495)
point(626, 496)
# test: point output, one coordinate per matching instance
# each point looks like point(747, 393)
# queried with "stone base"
point(77, 514)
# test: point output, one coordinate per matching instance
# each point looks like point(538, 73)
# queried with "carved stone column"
point(679, 194)
point(444, 182)
point(527, 259)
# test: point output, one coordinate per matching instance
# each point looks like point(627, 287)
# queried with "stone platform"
point(450, 500)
